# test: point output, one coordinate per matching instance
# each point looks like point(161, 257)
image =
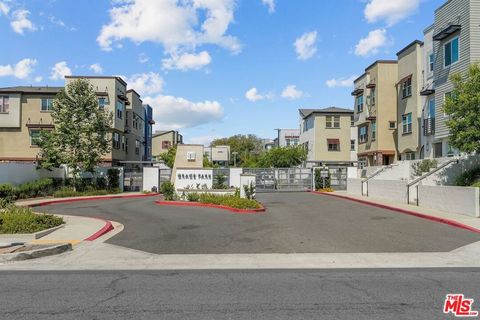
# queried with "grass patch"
point(68, 192)
point(229, 201)
point(22, 220)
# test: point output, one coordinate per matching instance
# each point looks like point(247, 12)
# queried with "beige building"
point(218, 155)
point(164, 140)
point(409, 101)
point(376, 113)
point(328, 136)
point(134, 127)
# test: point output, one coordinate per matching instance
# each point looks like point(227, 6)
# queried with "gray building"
point(287, 138)
point(456, 45)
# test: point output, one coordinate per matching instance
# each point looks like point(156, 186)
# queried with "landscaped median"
point(225, 202)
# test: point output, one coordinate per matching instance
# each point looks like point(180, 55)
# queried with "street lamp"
point(234, 154)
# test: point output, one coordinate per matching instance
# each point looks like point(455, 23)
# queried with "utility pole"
point(234, 154)
point(278, 137)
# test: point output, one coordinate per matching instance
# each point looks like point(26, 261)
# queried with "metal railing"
point(376, 173)
point(429, 126)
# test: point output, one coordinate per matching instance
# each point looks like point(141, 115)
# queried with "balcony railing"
point(429, 126)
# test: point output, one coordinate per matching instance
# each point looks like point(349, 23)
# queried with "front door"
point(437, 150)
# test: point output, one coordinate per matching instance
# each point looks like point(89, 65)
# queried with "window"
point(352, 121)
point(333, 122)
point(123, 143)
point(373, 96)
point(352, 145)
point(4, 104)
point(126, 145)
point(166, 144)
point(449, 95)
point(407, 123)
point(116, 140)
point(360, 103)
point(34, 137)
point(102, 102)
point(407, 88)
point(333, 144)
point(119, 110)
point(374, 130)
point(450, 52)
point(47, 104)
point(431, 61)
point(410, 156)
point(137, 147)
point(392, 125)
point(362, 134)
point(431, 108)
point(362, 162)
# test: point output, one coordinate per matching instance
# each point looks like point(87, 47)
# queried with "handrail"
point(428, 174)
point(376, 173)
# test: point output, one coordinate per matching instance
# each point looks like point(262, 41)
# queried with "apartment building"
point(134, 127)
point(218, 155)
point(409, 102)
point(328, 136)
point(164, 140)
point(376, 113)
point(287, 138)
point(456, 45)
point(149, 122)
point(24, 112)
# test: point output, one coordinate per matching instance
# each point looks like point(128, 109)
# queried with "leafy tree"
point(169, 156)
point(463, 107)
point(283, 157)
point(81, 135)
point(247, 146)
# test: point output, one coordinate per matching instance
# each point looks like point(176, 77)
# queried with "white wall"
point(448, 175)
point(151, 178)
point(235, 177)
point(395, 190)
point(17, 173)
point(460, 200)
point(190, 178)
point(354, 186)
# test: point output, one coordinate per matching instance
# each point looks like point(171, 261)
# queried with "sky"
point(211, 68)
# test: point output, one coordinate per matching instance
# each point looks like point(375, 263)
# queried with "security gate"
point(282, 179)
point(338, 178)
point(133, 180)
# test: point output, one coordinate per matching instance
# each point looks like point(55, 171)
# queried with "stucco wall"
point(394, 190)
point(17, 173)
point(354, 186)
point(460, 200)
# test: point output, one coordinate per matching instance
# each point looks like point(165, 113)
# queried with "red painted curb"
point(49, 202)
point(449, 222)
point(208, 205)
point(105, 229)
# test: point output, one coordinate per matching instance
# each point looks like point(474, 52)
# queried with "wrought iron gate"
point(133, 180)
point(338, 178)
point(282, 179)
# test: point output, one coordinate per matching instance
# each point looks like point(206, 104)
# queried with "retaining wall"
point(395, 190)
point(460, 200)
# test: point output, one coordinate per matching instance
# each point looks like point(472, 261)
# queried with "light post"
point(234, 154)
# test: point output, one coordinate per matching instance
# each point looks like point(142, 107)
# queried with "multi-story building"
point(219, 155)
point(164, 140)
point(376, 113)
point(24, 112)
point(149, 122)
point(134, 127)
point(328, 136)
point(409, 102)
point(456, 45)
point(287, 138)
point(268, 144)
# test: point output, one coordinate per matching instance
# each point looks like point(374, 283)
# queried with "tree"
point(283, 157)
point(169, 156)
point(247, 146)
point(80, 137)
point(462, 106)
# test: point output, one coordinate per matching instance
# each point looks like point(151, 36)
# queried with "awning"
point(405, 79)
point(445, 33)
point(357, 92)
point(102, 94)
point(333, 141)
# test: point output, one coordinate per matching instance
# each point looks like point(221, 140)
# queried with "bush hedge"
point(69, 192)
point(23, 220)
point(229, 201)
point(38, 188)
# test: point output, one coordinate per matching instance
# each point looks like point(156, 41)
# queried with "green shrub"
point(219, 183)
point(468, 178)
point(229, 201)
point(24, 220)
point(100, 183)
point(69, 192)
point(113, 177)
point(249, 191)
point(168, 191)
point(424, 166)
point(321, 183)
point(193, 197)
point(7, 195)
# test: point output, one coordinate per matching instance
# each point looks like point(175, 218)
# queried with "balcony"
point(428, 127)
point(357, 92)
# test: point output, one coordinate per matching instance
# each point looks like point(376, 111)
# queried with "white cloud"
point(254, 96)
point(20, 21)
point(38, 79)
point(187, 61)
point(96, 68)
point(270, 4)
point(205, 140)
point(341, 82)
point(4, 8)
point(145, 83)
point(60, 70)
point(390, 11)
point(22, 70)
point(291, 92)
point(143, 58)
point(305, 46)
point(177, 25)
point(372, 43)
point(179, 113)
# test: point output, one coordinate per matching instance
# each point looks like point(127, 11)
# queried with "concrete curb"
point(31, 236)
point(105, 229)
point(44, 252)
point(449, 222)
point(208, 205)
point(93, 198)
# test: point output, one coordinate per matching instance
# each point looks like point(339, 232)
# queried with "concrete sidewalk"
point(434, 214)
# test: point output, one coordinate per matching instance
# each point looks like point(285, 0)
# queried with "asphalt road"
point(336, 294)
point(293, 223)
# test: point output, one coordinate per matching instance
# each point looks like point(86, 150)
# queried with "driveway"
point(293, 223)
